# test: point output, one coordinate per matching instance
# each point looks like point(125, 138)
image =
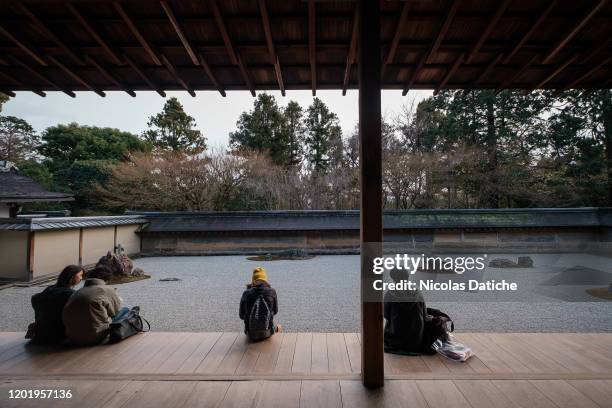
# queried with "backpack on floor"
point(259, 319)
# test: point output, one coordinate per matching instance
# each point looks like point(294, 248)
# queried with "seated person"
point(48, 327)
point(258, 306)
point(88, 313)
point(405, 314)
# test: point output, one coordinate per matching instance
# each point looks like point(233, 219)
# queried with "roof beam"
point(517, 74)
point(41, 76)
point(273, 56)
point(485, 34)
point(554, 73)
point(63, 46)
point(76, 76)
point(488, 69)
point(588, 73)
point(20, 83)
point(8, 93)
point(210, 74)
point(92, 32)
point(427, 55)
point(176, 75)
point(109, 76)
point(529, 33)
point(312, 51)
point(448, 19)
point(28, 49)
point(396, 38)
point(245, 76)
point(234, 57)
point(221, 26)
point(179, 31)
point(144, 76)
point(350, 59)
point(145, 44)
point(450, 73)
point(554, 50)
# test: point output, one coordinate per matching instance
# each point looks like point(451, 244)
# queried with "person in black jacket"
point(48, 326)
point(405, 314)
point(258, 306)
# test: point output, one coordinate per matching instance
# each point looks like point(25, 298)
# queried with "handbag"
point(130, 324)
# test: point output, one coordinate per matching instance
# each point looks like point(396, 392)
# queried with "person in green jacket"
point(90, 310)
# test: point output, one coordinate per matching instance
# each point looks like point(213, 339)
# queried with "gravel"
point(322, 295)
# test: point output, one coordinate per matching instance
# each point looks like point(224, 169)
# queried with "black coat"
point(250, 295)
point(405, 314)
point(48, 306)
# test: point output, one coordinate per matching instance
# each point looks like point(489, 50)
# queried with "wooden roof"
point(15, 188)
point(224, 45)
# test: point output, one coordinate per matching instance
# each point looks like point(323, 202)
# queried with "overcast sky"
point(215, 116)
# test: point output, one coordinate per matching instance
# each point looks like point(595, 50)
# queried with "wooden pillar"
point(115, 239)
point(31, 242)
point(370, 156)
point(80, 246)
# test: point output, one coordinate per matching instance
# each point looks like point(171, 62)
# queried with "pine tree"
point(292, 135)
point(173, 129)
point(258, 129)
point(323, 137)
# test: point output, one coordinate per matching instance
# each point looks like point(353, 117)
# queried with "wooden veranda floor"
point(310, 369)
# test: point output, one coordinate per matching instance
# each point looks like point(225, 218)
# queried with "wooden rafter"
point(448, 19)
point(234, 57)
point(176, 75)
point(144, 76)
point(543, 15)
point(427, 56)
point(28, 49)
point(210, 74)
point(554, 73)
point(143, 42)
point(554, 50)
point(263, 9)
point(487, 31)
point(76, 76)
point(8, 93)
point(92, 32)
point(488, 69)
point(61, 44)
point(450, 73)
point(517, 74)
point(41, 77)
point(221, 27)
point(179, 31)
point(245, 76)
point(20, 83)
point(350, 59)
point(396, 38)
point(596, 52)
point(312, 50)
point(109, 76)
point(588, 73)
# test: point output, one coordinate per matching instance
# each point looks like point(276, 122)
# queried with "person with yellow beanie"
point(258, 306)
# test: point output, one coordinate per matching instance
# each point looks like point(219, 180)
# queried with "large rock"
point(502, 263)
point(525, 262)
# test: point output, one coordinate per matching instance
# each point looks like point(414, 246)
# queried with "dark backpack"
point(436, 327)
point(259, 319)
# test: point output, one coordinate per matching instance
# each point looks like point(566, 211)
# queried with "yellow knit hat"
point(259, 274)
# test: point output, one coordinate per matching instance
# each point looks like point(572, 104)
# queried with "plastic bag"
point(452, 349)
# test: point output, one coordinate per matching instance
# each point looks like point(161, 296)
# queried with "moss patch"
point(127, 279)
point(600, 293)
point(262, 258)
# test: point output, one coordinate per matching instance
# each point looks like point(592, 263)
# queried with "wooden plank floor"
point(310, 369)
